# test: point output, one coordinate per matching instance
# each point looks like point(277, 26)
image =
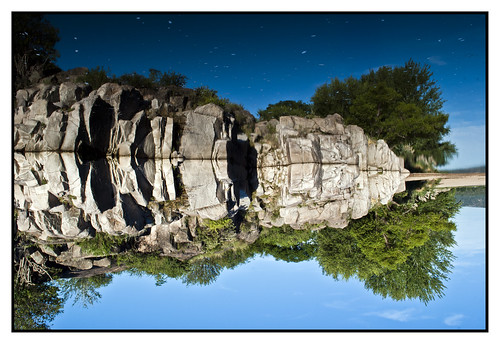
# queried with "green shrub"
point(155, 265)
point(285, 108)
point(169, 78)
point(102, 244)
point(95, 77)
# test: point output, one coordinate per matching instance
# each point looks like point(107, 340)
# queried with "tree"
point(83, 290)
point(422, 275)
point(202, 272)
point(95, 77)
point(335, 97)
point(165, 79)
point(400, 251)
point(285, 108)
point(401, 105)
point(35, 306)
point(33, 48)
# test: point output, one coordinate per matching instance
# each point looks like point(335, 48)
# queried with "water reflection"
point(89, 220)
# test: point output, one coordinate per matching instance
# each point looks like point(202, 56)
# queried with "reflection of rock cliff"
point(58, 196)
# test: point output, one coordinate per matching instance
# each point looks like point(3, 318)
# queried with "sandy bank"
point(451, 180)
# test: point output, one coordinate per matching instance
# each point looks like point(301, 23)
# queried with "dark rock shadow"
point(241, 169)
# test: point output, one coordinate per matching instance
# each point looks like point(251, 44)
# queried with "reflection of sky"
point(265, 293)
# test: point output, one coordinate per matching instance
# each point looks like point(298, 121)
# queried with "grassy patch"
point(103, 244)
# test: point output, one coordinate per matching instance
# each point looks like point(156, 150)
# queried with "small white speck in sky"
point(138, 18)
point(313, 36)
point(419, 39)
point(233, 54)
point(303, 52)
point(321, 64)
point(439, 40)
point(170, 22)
point(461, 39)
point(76, 50)
point(382, 20)
point(75, 38)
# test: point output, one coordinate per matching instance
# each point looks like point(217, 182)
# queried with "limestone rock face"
point(326, 140)
point(70, 93)
point(117, 120)
point(108, 121)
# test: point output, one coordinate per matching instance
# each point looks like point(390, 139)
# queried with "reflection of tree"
point(202, 272)
point(83, 290)
point(158, 266)
point(286, 243)
point(422, 275)
point(400, 251)
point(35, 306)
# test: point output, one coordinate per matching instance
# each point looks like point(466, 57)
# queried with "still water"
point(265, 293)
point(209, 245)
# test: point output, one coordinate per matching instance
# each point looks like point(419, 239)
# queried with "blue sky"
point(258, 59)
point(266, 293)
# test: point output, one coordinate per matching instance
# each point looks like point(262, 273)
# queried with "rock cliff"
point(118, 121)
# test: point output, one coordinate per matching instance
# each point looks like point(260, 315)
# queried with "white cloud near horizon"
point(454, 320)
point(402, 316)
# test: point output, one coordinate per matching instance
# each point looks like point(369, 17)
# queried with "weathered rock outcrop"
point(296, 140)
point(109, 121)
point(117, 120)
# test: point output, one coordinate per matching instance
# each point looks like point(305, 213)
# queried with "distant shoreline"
point(451, 180)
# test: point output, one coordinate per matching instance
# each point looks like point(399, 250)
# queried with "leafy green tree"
point(83, 290)
point(33, 48)
point(202, 272)
point(135, 80)
point(206, 95)
point(400, 251)
point(401, 105)
point(95, 77)
point(160, 267)
point(422, 275)
point(335, 97)
point(169, 78)
point(285, 108)
point(287, 244)
point(35, 306)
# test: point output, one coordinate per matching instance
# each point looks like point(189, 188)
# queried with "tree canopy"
point(400, 251)
point(33, 48)
point(401, 105)
point(98, 76)
point(285, 108)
